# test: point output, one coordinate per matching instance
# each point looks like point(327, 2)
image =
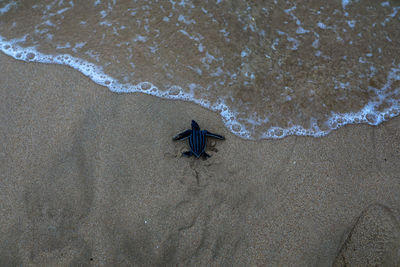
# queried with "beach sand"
point(89, 177)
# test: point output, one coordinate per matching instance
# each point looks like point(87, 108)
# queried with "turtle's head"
point(195, 126)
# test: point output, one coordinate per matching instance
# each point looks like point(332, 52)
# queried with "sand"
point(89, 177)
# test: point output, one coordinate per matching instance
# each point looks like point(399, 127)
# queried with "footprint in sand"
point(373, 241)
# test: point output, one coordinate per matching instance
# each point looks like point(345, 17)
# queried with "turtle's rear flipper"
point(183, 135)
point(187, 153)
point(205, 155)
point(215, 135)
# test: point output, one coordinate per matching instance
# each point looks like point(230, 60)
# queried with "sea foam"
point(265, 53)
point(369, 114)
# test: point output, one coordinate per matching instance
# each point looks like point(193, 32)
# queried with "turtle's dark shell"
point(197, 140)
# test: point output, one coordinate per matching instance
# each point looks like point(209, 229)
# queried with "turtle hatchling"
point(197, 140)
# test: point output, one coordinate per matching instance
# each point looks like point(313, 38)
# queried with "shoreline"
point(367, 114)
point(90, 174)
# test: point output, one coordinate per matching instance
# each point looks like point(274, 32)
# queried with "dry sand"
point(89, 177)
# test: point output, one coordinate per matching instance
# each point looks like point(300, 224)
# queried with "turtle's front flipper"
point(215, 135)
point(183, 135)
point(187, 153)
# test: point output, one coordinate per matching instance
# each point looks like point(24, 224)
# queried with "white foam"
point(369, 114)
point(351, 23)
point(315, 44)
point(345, 3)
point(62, 10)
point(321, 25)
point(7, 7)
point(183, 19)
point(301, 30)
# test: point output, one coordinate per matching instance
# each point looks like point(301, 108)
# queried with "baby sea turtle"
point(197, 140)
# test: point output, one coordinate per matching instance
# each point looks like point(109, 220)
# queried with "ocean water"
point(269, 68)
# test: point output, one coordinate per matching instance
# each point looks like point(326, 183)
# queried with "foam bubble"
point(145, 86)
point(30, 56)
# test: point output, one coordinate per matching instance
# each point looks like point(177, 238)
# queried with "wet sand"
point(89, 177)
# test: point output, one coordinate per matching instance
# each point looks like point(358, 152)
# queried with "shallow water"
point(270, 68)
